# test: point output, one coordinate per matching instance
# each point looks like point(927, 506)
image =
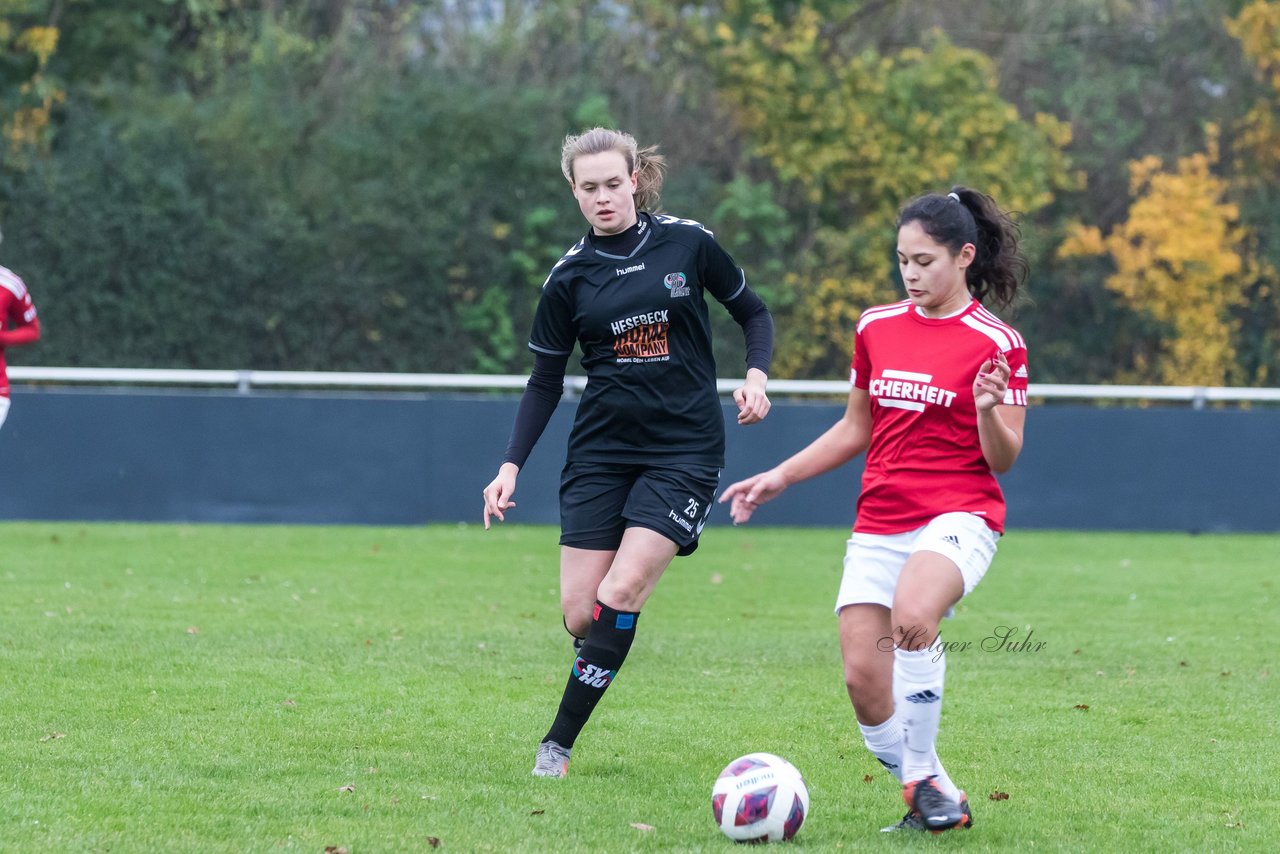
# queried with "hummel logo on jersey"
point(953, 539)
point(589, 674)
point(1021, 372)
point(889, 765)
point(925, 696)
point(677, 284)
point(634, 268)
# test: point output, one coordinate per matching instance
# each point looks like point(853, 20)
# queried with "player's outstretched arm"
point(843, 441)
point(497, 495)
point(747, 495)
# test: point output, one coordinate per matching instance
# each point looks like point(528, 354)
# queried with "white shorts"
point(873, 562)
point(4, 410)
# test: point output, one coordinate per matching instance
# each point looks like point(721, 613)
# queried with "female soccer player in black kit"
point(647, 445)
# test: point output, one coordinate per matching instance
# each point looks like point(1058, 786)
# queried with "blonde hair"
point(650, 166)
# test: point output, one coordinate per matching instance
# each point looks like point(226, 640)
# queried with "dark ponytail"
point(969, 216)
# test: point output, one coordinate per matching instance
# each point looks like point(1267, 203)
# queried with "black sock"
point(608, 641)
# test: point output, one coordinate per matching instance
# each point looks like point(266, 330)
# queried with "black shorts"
point(598, 501)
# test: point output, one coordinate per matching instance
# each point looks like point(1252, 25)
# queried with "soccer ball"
point(759, 798)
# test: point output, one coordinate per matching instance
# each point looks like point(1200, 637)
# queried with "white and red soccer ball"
point(760, 797)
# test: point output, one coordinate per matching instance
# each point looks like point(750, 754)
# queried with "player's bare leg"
point(581, 571)
point(640, 561)
point(866, 648)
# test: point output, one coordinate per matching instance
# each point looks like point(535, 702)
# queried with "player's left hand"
point(991, 383)
point(753, 403)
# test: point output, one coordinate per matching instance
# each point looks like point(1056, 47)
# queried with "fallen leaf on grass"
point(54, 736)
point(638, 826)
point(537, 812)
point(433, 841)
point(335, 849)
point(998, 796)
point(1084, 707)
point(193, 630)
point(867, 778)
point(288, 702)
point(347, 788)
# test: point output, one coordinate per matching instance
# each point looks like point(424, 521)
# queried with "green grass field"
point(208, 688)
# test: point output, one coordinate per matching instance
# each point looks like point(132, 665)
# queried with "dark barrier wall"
point(151, 455)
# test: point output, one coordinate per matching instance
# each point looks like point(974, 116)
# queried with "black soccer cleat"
point(934, 810)
point(912, 820)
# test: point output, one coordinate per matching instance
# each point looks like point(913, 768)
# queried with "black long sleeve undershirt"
point(537, 405)
point(753, 316)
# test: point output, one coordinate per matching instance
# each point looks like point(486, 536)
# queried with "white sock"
point(885, 743)
point(917, 700)
point(944, 779)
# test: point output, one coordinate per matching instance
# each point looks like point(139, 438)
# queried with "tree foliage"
point(28, 93)
point(1178, 259)
point(860, 133)
point(374, 184)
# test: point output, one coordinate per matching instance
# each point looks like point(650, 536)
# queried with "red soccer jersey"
point(925, 458)
point(15, 308)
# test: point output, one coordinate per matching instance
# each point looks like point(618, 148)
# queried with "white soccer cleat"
point(552, 761)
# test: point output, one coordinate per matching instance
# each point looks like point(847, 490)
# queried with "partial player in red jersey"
point(938, 404)
point(18, 325)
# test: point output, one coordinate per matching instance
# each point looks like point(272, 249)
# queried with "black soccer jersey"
point(641, 322)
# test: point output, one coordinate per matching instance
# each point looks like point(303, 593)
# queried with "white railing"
point(246, 380)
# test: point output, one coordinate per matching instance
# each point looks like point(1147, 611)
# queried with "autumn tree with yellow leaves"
point(858, 133)
point(28, 95)
point(1177, 259)
point(1186, 257)
point(1255, 167)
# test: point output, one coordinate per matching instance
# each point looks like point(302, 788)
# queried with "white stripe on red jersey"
point(1000, 336)
point(983, 312)
point(880, 312)
point(11, 282)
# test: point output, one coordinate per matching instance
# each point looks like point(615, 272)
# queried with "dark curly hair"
point(969, 216)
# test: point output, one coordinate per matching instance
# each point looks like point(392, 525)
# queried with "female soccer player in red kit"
point(16, 310)
point(938, 405)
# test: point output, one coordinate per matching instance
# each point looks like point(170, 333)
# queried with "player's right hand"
point(497, 495)
point(749, 494)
